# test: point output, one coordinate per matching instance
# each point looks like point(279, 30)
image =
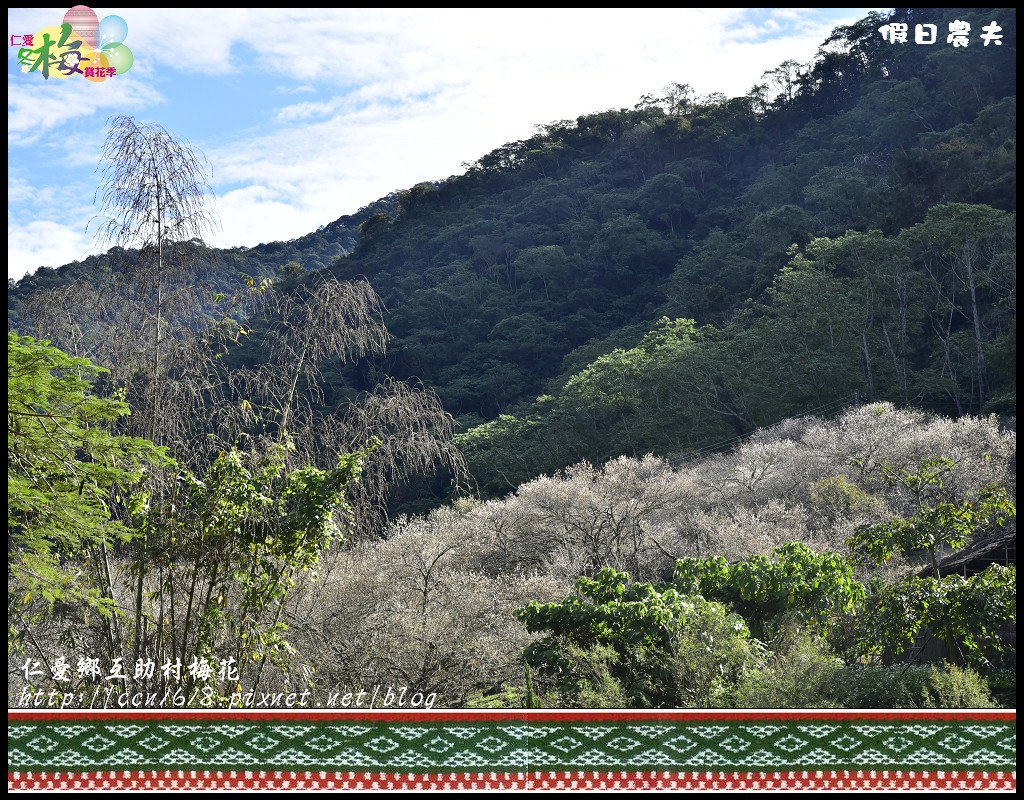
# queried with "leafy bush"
point(64, 461)
point(802, 673)
point(912, 687)
point(956, 687)
point(881, 687)
point(796, 580)
point(1003, 684)
point(663, 648)
point(966, 614)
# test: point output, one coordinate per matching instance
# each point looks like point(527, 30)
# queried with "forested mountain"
point(670, 276)
point(216, 269)
point(735, 378)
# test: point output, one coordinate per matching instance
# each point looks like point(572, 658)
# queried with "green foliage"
point(959, 687)
point(595, 685)
point(805, 673)
point(801, 673)
point(374, 226)
point(531, 697)
point(505, 697)
point(794, 581)
point(239, 538)
point(1003, 684)
point(845, 317)
point(872, 686)
point(837, 498)
point(949, 524)
point(66, 471)
point(710, 654)
point(808, 675)
point(617, 639)
point(968, 615)
point(596, 681)
point(668, 279)
point(948, 686)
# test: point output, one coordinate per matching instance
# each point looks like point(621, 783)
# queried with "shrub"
point(663, 648)
point(881, 687)
point(802, 673)
point(897, 686)
point(956, 687)
point(1003, 684)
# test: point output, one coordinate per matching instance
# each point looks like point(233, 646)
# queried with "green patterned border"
point(476, 743)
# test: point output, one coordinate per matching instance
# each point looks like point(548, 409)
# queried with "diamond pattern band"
point(515, 750)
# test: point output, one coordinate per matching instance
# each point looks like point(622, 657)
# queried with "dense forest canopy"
point(739, 368)
point(843, 231)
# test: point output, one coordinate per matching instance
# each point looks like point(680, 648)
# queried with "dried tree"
point(323, 319)
point(154, 200)
point(409, 433)
point(330, 321)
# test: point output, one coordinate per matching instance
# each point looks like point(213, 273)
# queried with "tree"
point(63, 464)
point(322, 319)
point(960, 245)
point(784, 80)
point(966, 613)
point(547, 265)
point(219, 552)
point(652, 644)
point(817, 587)
point(226, 548)
point(666, 199)
point(836, 197)
point(426, 607)
point(154, 201)
point(936, 525)
point(324, 322)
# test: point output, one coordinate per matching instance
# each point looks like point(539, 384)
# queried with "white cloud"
point(46, 243)
point(64, 107)
point(300, 111)
point(306, 87)
point(255, 213)
point(19, 190)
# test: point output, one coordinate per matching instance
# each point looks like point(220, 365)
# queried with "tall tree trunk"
point(867, 363)
point(969, 253)
point(159, 309)
point(898, 365)
point(291, 397)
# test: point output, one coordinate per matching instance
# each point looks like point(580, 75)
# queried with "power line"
point(700, 452)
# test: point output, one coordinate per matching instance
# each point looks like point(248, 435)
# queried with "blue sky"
point(305, 115)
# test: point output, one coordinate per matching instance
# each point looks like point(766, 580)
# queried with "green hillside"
point(670, 276)
point(705, 403)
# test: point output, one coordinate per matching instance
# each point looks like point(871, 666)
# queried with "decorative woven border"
point(319, 781)
point(512, 750)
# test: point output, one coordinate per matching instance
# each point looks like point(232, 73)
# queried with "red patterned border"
point(175, 779)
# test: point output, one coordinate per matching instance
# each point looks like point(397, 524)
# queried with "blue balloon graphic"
point(111, 30)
